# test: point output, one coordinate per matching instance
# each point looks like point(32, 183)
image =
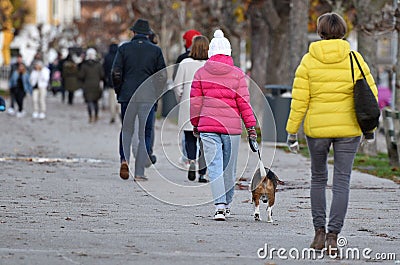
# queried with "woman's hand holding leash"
point(292, 143)
point(368, 138)
point(252, 136)
point(196, 132)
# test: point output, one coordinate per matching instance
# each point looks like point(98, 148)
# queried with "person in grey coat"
point(91, 74)
point(136, 61)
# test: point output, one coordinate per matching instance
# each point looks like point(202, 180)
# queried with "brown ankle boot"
point(331, 243)
point(319, 239)
point(124, 170)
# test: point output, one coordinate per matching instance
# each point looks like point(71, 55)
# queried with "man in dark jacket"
point(107, 65)
point(135, 62)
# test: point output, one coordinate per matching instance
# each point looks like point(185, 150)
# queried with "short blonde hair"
point(331, 26)
point(199, 49)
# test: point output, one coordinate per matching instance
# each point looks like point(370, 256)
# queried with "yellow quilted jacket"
point(322, 92)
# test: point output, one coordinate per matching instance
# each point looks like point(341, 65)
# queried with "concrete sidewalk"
point(68, 205)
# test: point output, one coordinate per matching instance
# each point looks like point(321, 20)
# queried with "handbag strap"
point(358, 63)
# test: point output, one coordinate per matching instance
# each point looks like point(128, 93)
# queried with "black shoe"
point(153, 159)
point(203, 179)
point(192, 170)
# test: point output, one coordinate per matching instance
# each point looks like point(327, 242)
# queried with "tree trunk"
point(368, 44)
point(278, 60)
point(298, 39)
point(298, 42)
point(259, 38)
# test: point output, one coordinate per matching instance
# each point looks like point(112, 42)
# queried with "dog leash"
point(254, 147)
point(263, 173)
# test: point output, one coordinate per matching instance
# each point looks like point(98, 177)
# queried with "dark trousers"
point(70, 97)
point(344, 151)
point(129, 113)
point(191, 151)
point(93, 106)
point(19, 96)
point(62, 90)
point(149, 130)
point(12, 97)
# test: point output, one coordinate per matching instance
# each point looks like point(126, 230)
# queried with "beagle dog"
point(264, 188)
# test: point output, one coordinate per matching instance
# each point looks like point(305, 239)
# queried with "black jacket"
point(107, 64)
point(134, 62)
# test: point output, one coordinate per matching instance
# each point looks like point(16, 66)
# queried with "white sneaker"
point(35, 115)
point(228, 211)
point(11, 111)
point(20, 114)
point(184, 164)
point(42, 116)
point(219, 215)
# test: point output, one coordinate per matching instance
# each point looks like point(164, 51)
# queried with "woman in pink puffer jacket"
point(219, 101)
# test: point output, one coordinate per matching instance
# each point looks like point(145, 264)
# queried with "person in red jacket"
point(219, 101)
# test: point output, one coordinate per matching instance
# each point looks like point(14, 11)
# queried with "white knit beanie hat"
point(91, 54)
point(219, 45)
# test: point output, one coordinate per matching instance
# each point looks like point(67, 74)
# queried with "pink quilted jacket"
point(219, 98)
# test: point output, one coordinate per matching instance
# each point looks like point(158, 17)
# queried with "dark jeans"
point(344, 151)
point(93, 106)
point(129, 113)
point(12, 97)
point(19, 96)
point(149, 130)
point(70, 97)
point(191, 151)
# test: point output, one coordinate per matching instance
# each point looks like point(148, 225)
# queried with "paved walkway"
point(62, 202)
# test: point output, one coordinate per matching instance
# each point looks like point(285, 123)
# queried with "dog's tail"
point(272, 176)
point(280, 182)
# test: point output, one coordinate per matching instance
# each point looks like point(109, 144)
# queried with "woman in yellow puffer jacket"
point(322, 95)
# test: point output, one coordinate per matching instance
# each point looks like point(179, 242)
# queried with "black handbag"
point(365, 104)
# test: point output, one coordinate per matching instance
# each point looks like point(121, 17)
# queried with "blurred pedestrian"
point(91, 74)
point(2, 104)
point(107, 65)
point(187, 39)
point(19, 84)
point(384, 96)
point(149, 128)
point(219, 101)
point(70, 73)
point(322, 96)
point(39, 80)
point(151, 119)
point(136, 61)
point(183, 80)
point(56, 78)
point(14, 67)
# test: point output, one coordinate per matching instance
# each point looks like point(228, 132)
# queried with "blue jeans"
point(149, 130)
point(221, 152)
point(128, 115)
point(344, 150)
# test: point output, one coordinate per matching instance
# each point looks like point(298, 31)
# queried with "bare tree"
point(269, 23)
point(298, 33)
point(369, 19)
